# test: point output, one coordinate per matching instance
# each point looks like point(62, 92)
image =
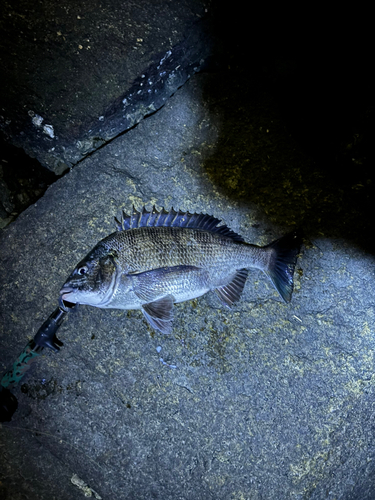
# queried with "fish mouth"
point(64, 301)
point(65, 291)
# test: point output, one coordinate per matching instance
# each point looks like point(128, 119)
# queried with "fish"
point(155, 259)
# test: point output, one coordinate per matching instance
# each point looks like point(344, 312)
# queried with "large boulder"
point(264, 401)
point(75, 75)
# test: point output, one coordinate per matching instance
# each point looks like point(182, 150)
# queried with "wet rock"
point(23, 180)
point(266, 400)
point(77, 75)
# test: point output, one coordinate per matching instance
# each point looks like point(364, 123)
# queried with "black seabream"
point(156, 259)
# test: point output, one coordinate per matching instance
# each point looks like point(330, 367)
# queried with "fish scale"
point(156, 259)
point(148, 248)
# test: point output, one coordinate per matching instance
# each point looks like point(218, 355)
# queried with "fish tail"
point(280, 270)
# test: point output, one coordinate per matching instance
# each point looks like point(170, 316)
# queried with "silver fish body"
point(156, 259)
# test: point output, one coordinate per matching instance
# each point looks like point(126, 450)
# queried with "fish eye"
point(82, 270)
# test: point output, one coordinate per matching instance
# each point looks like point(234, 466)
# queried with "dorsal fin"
point(174, 219)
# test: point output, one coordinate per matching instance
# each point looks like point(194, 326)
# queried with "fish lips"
point(65, 293)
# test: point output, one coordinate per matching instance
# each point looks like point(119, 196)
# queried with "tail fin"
point(282, 263)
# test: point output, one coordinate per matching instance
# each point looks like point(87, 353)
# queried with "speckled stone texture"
point(75, 75)
point(264, 401)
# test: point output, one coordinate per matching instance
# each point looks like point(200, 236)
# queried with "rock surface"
point(76, 75)
point(23, 181)
point(263, 401)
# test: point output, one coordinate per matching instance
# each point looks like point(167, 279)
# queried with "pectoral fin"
point(160, 313)
point(158, 289)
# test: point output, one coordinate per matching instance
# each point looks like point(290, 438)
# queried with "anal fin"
point(231, 292)
point(159, 313)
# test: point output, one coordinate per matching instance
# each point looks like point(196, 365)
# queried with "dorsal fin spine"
point(154, 218)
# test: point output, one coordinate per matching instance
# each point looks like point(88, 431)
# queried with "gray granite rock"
point(264, 401)
point(76, 75)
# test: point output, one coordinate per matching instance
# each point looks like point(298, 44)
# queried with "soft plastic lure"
point(45, 337)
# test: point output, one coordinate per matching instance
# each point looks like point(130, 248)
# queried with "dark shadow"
point(297, 125)
point(23, 180)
